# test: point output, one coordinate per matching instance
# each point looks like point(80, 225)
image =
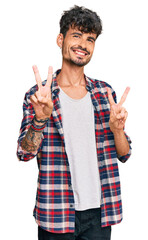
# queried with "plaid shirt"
point(55, 208)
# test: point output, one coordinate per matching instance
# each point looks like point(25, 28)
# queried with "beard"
point(77, 60)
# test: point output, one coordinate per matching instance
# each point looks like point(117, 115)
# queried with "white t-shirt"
point(80, 143)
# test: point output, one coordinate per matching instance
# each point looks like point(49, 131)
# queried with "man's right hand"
point(41, 100)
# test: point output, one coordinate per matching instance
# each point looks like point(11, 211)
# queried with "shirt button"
point(71, 205)
point(88, 87)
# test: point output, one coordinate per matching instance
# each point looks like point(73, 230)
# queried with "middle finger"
point(37, 76)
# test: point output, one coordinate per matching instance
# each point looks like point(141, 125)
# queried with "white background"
point(28, 36)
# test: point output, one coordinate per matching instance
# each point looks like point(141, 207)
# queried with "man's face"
point(78, 47)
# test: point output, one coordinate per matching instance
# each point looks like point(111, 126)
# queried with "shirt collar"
point(55, 88)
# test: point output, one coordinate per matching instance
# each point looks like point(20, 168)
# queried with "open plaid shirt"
point(55, 208)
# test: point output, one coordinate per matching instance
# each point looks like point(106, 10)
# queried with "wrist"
point(40, 121)
point(38, 125)
point(118, 132)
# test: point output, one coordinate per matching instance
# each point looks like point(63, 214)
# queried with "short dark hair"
point(84, 19)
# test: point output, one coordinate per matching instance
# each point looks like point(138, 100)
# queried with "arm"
point(121, 143)
point(118, 116)
point(33, 138)
point(25, 150)
point(40, 104)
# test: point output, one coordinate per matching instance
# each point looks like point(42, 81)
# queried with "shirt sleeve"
point(28, 115)
point(124, 158)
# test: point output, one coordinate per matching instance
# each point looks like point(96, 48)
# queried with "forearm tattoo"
point(32, 140)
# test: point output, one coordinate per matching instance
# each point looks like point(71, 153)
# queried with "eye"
point(90, 40)
point(76, 36)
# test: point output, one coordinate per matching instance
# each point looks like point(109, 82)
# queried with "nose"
point(83, 43)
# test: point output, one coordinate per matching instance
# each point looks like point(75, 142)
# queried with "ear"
point(60, 40)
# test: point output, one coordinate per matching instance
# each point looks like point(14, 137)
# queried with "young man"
point(76, 129)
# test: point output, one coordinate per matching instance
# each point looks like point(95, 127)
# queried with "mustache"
point(80, 48)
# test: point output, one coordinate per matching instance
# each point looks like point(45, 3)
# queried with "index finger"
point(37, 76)
point(110, 97)
point(124, 96)
point(49, 77)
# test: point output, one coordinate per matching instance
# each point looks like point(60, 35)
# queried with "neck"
point(71, 75)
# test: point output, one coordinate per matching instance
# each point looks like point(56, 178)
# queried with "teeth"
point(80, 53)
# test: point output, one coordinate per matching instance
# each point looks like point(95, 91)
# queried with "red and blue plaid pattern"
point(55, 208)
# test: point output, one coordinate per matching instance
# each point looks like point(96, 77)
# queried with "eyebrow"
point(80, 34)
point(92, 38)
point(76, 33)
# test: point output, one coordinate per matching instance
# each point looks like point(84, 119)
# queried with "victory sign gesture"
point(118, 113)
point(41, 100)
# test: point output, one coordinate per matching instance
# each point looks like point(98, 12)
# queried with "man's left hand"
point(118, 113)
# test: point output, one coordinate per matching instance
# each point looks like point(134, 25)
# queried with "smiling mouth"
point(79, 52)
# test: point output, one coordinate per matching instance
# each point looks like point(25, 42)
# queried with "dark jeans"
point(87, 227)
